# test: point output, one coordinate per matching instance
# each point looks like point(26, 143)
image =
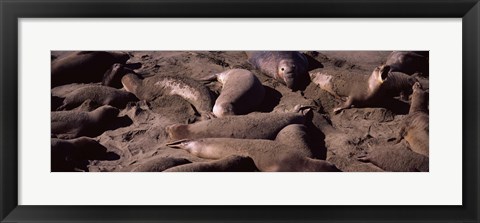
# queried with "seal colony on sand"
point(415, 127)
point(241, 93)
point(289, 152)
point(288, 67)
point(192, 91)
point(243, 121)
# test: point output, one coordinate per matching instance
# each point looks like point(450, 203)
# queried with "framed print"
point(335, 95)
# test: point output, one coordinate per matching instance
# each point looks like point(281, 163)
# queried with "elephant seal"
point(415, 128)
point(71, 124)
point(70, 155)
point(241, 93)
point(397, 158)
point(159, 164)
point(251, 126)
point(289, 152)
point(288, 67)
point(86, 67)
point(364, 93)
point(100, 95)
point(228, 164)
point(191, 90)
point(409, 62)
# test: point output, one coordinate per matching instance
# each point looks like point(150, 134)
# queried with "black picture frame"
point(11, 11)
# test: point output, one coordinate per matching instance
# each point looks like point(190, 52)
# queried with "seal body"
point(251, 126)
point(367, 92)
point(415, 129)
point(85, 67)
point(288, 67)
point(228, 164)
point(100, 95)
point(409, 62)
point(288, 152)
point(69, 155)
point(241, 93)
point(72, 124)
point(159, 164)
point(191, 90)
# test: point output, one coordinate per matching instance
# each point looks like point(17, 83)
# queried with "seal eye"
point(282, 69)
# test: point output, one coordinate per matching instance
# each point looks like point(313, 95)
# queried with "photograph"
point(240, 111)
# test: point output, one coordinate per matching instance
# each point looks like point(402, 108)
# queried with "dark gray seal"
point(409, 62)
point(288, 67)
point(72, 155)
point(228, 164)
point(88, 67)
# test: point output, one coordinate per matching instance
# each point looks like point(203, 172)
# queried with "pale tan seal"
point(99, 95)
point(290, 151)
point(232, 163)
point(251, 126)
point(415, 128)
point(86, 67)
point(363, 93)
point(409, 62)
point(288, 67)
point(241, 93)
point(72, 124)
point(189, 89)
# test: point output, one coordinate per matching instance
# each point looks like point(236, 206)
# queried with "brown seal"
point(189, 89)
point(251, 126)
point(99, 95)
point(159, 164)
point(87, 67)
point(415, 126)
point(228, 164)
point(241, 93)
point(409, 62)
point(71, 155)
point(288, 67)
point(290, 151)
point(72, 124)
point(397, 158)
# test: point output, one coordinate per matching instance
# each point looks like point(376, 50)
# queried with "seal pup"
point(71, 124)
point(232, 163)
point(85, 66)
point(409, 62)
point(241, 92)
point(189, 89)
point(290, 151)
point(98, 94)
point(251, 126)
point(70, 155)
point(415, 126)
point(288, 67)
